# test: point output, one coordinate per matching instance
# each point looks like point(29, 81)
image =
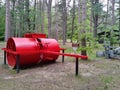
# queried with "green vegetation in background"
point(2, 22)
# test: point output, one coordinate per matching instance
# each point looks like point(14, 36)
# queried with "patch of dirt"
point(101, 74)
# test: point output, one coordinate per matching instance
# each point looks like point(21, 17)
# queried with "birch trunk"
point(56, 20)
point(73, 19)
point(7, 20)
point(49, 5)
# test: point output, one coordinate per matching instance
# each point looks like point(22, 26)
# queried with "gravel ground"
point(99, 74)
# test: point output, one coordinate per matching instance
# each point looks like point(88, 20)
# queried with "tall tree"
point(2, 21)
point(113, 11)
point(34, 18)
point(7, 20)
point(21, 17)
point(91, 17)
point(64, 20)
point(73, 19)
point(56, 20)
point(95, 6)
point(13, 21)
point(106, 21)
point(119, 20)
point(40, 14)
point(79, 20)
point(83, 40)
point(43, 15)
point(107, 11)
point(27, 11)
point(113, 20)
point(49, 5)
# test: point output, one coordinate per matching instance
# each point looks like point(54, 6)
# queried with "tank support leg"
point(62, 56)
point(76, 67)
point(4, 57)
point(18, 63)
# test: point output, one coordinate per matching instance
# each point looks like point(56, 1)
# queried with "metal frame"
point(63, 54)
point(76, 67)
point(17, 61)
point(76, 63)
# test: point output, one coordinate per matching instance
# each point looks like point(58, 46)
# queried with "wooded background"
point(76, 20)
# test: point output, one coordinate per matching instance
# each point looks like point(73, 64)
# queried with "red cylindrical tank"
point(25, 46)
point(48, 45)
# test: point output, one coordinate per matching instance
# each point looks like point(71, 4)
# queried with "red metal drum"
point(34, 35)
point(48, 45)
point(28, 49)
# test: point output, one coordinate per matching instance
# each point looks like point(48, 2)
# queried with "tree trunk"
point(49, 5)
point(95, 17)
point(56, 20)
point(113, 10)
point(106, 21)
point(42, 16)
point(21, 17)
point(27, 14)
point(13, 25)
point(91, 18)
point(73, 19)
point(7, 20)
point(83, 41)
point(34, 19)
point(113, 19)
point(64, 19)
point(119, 22)
point(79, 20)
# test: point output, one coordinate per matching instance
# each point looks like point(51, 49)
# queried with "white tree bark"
point(79, 20)
point(113, 10)
point(56, 20)
point(73, 20)
point(49, 5)
point(7, 20)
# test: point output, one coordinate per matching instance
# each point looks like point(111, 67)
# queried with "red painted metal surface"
point(28, 49)
point(48, 45)
point(20, 45)
point(65, 54)
point(34, 35)
point(33, 49)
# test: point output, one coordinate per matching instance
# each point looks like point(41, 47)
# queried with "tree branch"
point(101, 21)
point(46, 2)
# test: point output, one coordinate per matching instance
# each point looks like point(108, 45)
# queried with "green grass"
point(2, 42)
point(107, 79)
point(68, 49)
point(2, 45)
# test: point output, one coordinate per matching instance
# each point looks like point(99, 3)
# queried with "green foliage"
point(2, 22)
point(69, 26)
point(97, 8)
point(91, 43)
point(114, 39)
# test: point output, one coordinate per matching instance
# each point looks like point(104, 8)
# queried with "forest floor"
point(98, 74)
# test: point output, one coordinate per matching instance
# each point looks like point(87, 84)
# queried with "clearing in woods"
point(99, 74)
